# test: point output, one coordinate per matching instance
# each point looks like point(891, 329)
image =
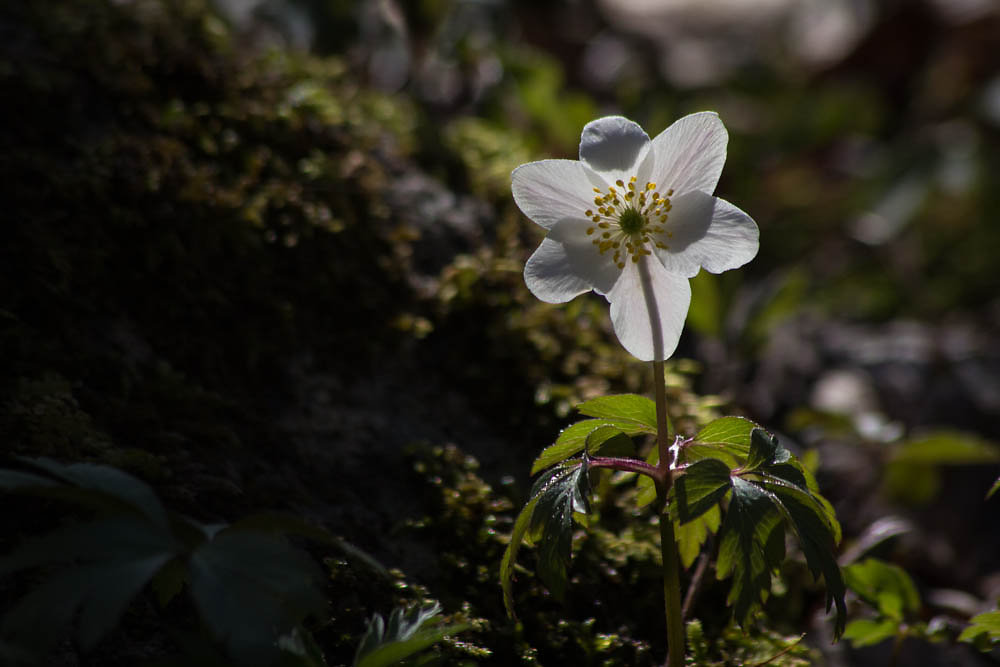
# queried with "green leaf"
point(115, 483)
point(912, 484)
point(559, 494)
point(750, 547)
point(706, 313)
point(726, 439)
point(692, 535)
point(404, 635)
point(609, 441)
point(626, 408)
point(517, 535)
point(986, 624)
point(868, 632)
point(645, 485)
point(727, 431)
point(573, 440)
point(884, 586)
point(763, 448)
point(818, 533)
point(252, 588)
point(993, 489)
point(14, 480)
point(111, 587)
point(816, 502)
point(117, 557)
point(395, 652)
point(700, 488)
point(947, 448)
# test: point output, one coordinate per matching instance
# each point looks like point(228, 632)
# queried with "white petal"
point(551, 190)
point(614, 147)
point(567, 264)
point(706, 232)
point(583, 257)
point(690, 153)
point(648, 308)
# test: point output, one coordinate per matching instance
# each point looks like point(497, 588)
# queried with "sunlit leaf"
point(985, 625)
point(633, 409)
point(573, 440)
point(705, 313)
point(868, 632)
point(692, 535)
point(726, 439)
point(385, 644)
point(913, 484)
point(886, 587)
point(947, 448)
point(645, 485)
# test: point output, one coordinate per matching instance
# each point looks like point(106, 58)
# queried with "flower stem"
point(668, 543)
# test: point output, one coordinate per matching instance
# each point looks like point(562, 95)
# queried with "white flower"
point(633, 220)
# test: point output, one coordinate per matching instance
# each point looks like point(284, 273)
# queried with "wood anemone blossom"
point(633, 220)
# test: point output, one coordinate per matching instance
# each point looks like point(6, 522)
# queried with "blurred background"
point(263, 254)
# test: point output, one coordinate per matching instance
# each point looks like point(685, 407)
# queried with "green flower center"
point(624, 221)
point(631, 221)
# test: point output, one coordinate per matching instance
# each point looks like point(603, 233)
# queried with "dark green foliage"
point(768, 490)
point(249, 585)
point(751, 545)
point(560, 493)
point(548, 519)
point(702, 486)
